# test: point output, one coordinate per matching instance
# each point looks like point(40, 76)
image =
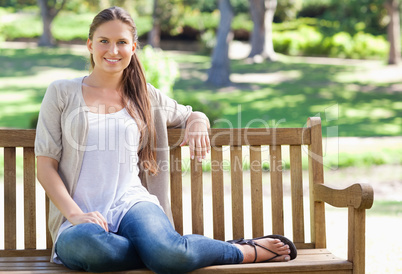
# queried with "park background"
point(332, 59)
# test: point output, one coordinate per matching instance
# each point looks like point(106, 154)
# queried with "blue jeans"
point(145, 238)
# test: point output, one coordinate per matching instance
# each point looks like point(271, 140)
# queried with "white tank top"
point(109, 181)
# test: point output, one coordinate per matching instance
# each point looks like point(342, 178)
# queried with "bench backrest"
point(233, 141)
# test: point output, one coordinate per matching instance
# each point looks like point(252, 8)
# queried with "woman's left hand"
point(196, 135)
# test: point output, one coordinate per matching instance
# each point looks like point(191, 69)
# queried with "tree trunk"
point(48, 13)
point(262, 14)
point(269, 52)
point(393, 30)
point(154, 36)
point(257, 40)
point(219, 72)
point(46, 39)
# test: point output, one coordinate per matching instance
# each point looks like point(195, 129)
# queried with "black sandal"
point(283, 239)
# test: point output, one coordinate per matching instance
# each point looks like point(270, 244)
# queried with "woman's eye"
point(122, 42)
point(103, 41)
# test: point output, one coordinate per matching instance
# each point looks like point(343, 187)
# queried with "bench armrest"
point(359, 196)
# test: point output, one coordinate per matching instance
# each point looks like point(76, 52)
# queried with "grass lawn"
point(24, 77)
point(279, 94)
point(285, 93)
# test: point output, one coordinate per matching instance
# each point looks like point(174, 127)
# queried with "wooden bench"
point(312, 255)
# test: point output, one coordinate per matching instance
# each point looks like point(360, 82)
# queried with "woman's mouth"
point(112, 61)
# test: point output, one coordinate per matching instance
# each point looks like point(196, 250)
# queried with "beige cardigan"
point(62, 131)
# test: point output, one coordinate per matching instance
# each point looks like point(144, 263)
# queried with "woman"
point(100, 138)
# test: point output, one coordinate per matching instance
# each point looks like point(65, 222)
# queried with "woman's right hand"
point(48, 176)
point(91, 217)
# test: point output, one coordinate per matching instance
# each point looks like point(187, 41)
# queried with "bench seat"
point(308, 260)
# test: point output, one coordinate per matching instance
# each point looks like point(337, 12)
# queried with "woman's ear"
point(89, 45)
point(134, 47)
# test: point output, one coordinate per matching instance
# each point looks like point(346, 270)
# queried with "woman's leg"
point(163, 250)
point(89, 247)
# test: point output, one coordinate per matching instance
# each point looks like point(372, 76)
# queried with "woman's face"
point(112, 46)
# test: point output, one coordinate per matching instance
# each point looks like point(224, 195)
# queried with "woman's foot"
point(258, 252)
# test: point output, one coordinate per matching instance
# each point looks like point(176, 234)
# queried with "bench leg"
point(357, 239)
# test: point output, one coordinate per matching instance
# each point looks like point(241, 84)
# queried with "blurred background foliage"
point(329, 28)
point(160, 70)
point(334, 28)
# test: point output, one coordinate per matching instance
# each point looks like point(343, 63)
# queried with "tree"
point(154, 36)
point(49, 9)
point(262, 14)
point(394, 30)
point(219, 72)
point(166, 15)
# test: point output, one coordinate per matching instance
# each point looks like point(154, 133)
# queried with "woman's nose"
point(113, 49)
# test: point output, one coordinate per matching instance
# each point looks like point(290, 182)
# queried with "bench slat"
point(24, 253)
point(10, 199)
point(317, 260)
point(296, 181)
point(276, 189)
point(176, 188)
point(17, 137)
point(29, 198)
point(25, 259)
point(236, 169)
point(316, 176)
point(218, 193)
point(249, 136)
point(256, 191)
point(49, 242)
point(197, 194)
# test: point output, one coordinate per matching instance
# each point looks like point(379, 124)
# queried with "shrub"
point(160, 70)
point(70, 26)
point(28, 26)
point(339, 45)
point(367, 45)
point(286, 42)
point(295, 24)
point(307, 40)
point(242, 21)
point(304, 40)
point(360, 46)
point(311, 40)
point(208, 41)
point(200, 20)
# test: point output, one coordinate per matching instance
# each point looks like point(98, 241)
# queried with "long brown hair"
point(135, 92)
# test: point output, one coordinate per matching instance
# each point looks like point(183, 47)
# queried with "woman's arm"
point(50, 180)
point(196, 135)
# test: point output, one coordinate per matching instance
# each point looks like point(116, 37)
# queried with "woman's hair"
point(135, 92)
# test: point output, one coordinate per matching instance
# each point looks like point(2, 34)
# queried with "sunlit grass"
point(358, 109)
point(24, 76)
point(283, 94)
